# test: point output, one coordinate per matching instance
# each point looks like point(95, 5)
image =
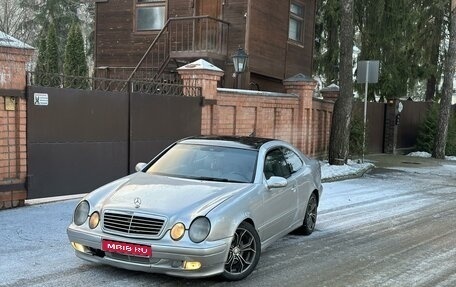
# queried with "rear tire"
point(244, 253)
point(310, 219)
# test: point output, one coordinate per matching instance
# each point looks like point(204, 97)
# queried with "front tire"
point(244, 253)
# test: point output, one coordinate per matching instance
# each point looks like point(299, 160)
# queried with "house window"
point(296, 26)
point(150, 14)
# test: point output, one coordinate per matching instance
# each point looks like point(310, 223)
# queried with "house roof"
point(11, 42)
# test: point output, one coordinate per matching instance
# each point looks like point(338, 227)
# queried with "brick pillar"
point(330, 93)
point(304, 87)
point(205, 75)
point(13, 109)
point(391, 125)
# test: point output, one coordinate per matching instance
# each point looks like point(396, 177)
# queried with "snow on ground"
point(336, 172)
point(384, 226)
point(427, 155)
point(355, 168)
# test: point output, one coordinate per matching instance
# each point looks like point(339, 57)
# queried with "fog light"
point(192, 265)
point(94, 220)
point(79, 247)
point(177, 231)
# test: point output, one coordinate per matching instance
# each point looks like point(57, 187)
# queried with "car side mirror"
point(276, 182)
point(140, 166)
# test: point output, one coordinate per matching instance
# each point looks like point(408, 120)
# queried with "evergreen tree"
point(327, 41)
point(61, 13)
point(75, 65)
point(427, 132)
point(52, 53)
point(41, 63)
point(406, 36)
point(430, 34)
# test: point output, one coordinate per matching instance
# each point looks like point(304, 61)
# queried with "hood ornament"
point(137, 202)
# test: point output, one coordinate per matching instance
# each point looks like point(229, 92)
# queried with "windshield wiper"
point(208, 178)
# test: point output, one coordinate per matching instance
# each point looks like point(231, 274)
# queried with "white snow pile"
point(349, 170)
point(427, 155)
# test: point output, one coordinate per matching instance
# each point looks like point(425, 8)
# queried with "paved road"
point(393, 227)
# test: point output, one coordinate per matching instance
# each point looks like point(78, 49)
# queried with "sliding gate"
point(78, 140)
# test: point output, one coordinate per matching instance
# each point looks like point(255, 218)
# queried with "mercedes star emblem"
point(137, 202)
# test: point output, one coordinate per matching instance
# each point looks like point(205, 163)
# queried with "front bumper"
point(168, 256)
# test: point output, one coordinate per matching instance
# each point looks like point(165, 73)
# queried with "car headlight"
point(94, 220)
point(199, 229)
point(81, 213)
point(177, 231)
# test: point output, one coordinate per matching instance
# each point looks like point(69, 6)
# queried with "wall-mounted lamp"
point(240, 61)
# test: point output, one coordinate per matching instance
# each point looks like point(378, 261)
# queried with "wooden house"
point(151, 38)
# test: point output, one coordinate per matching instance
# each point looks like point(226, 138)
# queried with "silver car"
point(204, 206)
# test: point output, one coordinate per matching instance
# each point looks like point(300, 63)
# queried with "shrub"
point(356, 135)
point(428, 130)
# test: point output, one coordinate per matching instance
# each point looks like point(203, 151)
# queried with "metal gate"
point(79, 140)
point(375, 130)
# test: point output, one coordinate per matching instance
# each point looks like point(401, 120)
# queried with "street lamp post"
point(239, 58)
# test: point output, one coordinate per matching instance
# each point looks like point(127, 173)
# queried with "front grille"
point(132, 224)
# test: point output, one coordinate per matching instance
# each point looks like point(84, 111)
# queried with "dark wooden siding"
point(268, 37)
point(233, 12)
point(299, 58)
point(271, 57)
point(180, 8)
point(118, 45)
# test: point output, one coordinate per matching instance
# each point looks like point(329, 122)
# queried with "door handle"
point(293, 189)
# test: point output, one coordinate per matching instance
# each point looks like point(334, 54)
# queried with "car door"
point(279, 204)
point(301, 175)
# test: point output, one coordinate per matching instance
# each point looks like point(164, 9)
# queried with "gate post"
point(205, 75)
point(304, 87)
point(391, 126)
point(13, 114)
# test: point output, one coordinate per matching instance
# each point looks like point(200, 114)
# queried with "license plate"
point(126, 248)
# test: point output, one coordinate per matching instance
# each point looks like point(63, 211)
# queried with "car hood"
point(170, 197)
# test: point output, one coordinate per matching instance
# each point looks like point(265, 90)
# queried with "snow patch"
point(420, 154)
point(351, 169)
point(424, 154)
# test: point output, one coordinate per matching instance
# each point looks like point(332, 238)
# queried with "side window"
point(292, 159)
point(276, 165)
point(150, 14)
point(296, 24)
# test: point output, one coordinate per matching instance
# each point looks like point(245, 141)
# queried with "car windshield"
point(206, 162)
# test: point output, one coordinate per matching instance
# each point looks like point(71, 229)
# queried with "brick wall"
point(297, 116)
point(265, 114)
point(13, 149)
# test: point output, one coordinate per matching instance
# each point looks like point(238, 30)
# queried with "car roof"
point(228, 141)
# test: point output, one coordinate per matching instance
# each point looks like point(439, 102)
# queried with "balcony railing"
point(183, 38)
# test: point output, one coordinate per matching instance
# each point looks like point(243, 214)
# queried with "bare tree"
point(445, 101)
point(13, 19)
point(340, 129)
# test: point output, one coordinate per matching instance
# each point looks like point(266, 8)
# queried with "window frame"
point(285, 150)
point(300, 19)
point(280, 157)
point(137, 4)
